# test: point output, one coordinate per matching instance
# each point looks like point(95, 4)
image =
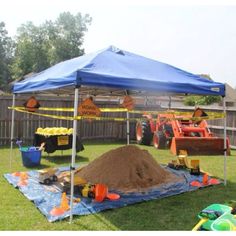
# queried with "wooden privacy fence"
point(26, 124)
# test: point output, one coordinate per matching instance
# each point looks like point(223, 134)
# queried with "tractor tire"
point(143, 133)
point(159, 140)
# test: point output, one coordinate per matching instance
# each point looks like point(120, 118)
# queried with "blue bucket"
point(31, 156)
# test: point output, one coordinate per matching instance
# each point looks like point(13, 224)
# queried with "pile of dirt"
point(127, 169)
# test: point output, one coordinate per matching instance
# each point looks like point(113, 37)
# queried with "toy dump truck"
point(180, 132)
point(48, 176)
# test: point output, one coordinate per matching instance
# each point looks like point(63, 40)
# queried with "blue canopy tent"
point(112, 68)
point(115, 68)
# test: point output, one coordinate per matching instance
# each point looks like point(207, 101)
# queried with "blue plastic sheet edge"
point(47, 197)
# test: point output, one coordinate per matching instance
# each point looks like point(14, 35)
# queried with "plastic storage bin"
point(31, 156)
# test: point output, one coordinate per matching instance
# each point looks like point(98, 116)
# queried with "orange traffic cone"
point(23, 179)
point(205, 179)
point(101, 191)
point(64, 202)
point(16, 174)
point(64, 206)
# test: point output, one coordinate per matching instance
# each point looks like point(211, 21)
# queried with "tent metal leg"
point(127, 116)
point(12, 127)
point(73, 152)
point(225, 145)
point(169, 104)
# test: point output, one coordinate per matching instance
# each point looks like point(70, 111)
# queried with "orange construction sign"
point(31, 105)
point(88, 108)
point(128, 103)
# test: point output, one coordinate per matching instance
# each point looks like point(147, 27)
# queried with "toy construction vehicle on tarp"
point(48, 176)
point(98, 191)
point(182, 162)
point(217, 217)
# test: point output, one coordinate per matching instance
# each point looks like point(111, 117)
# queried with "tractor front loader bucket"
point(199, 145)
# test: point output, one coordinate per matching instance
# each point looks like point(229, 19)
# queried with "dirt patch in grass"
point(127, 169)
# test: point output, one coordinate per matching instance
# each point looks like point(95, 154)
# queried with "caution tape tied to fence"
point(70, 109)
point(211, 115)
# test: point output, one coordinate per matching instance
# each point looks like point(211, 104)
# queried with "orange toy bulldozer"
point(180, 132)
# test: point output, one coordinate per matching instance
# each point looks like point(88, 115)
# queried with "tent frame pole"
point(225, 144)
point(169, 104)
point(12, 127)
point(72, 167)
point(127, 124)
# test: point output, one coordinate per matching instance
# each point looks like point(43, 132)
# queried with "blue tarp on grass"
point(47, 197)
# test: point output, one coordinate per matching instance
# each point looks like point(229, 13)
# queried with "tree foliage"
point(6, 54)
point(39, 47)
point(201, 100)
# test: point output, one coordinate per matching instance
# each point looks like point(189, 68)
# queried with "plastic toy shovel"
point(199, 224)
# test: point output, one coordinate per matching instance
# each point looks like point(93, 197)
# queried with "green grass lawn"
point(172, 213)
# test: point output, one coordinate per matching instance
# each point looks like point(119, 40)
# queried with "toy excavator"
point(182, 162)
point(98, 192)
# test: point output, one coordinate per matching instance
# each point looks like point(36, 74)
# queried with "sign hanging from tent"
point(32, 104)
point(88, 108)
point(128, 103)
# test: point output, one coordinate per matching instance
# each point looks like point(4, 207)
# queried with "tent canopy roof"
point(118, 69)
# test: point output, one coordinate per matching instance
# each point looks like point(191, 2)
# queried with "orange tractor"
point(180, 132)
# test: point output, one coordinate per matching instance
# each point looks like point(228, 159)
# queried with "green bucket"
point(226, 222)
point(213, 212)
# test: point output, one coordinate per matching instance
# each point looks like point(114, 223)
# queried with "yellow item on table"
point(46, 131)
point(49, 131)
point(39, 130)
point(70, 131)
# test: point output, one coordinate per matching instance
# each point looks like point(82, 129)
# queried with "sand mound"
point(127, 168)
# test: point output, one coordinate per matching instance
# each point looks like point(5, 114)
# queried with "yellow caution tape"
point(44, 115)
point(73, 118)
point(180, 113)
point(68, 109)
point(69, 117)
point(211, 116)
point(113, 109)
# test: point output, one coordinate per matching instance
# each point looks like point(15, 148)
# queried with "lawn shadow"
point(65, 159)
point(41, 166)
point(104, 142)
